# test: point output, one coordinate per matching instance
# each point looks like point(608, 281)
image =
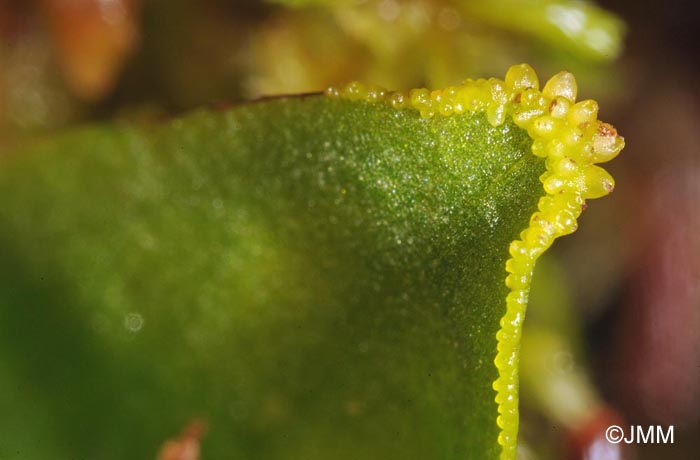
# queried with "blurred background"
point(613, 329)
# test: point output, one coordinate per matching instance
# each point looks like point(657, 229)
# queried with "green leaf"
point(317, 277)
point(579, 27)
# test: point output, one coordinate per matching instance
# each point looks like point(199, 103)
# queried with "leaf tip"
point(568, 135)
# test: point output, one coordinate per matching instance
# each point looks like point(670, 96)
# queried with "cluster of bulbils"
point(570, 138)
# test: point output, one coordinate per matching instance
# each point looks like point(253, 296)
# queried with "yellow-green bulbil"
point(570, 138)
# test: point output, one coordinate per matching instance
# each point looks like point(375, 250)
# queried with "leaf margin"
point(571, 139)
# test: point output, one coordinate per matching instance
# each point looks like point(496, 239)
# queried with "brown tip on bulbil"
point(608, 186)
point(606, 129)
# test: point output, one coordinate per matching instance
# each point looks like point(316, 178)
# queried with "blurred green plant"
point(401, 44)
